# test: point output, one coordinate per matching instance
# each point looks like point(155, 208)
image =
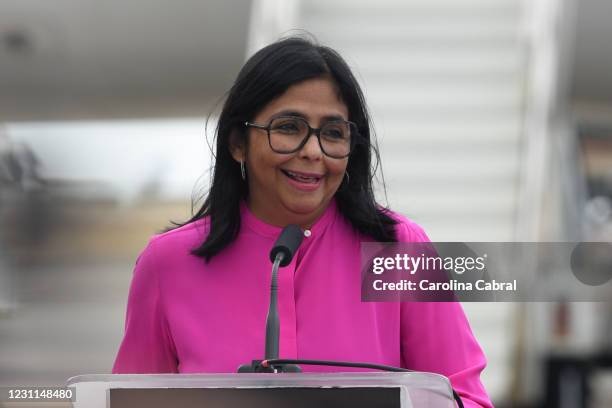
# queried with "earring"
point(242, 170)
point(348, 178)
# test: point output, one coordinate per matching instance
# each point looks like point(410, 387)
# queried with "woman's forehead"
point(312, 99)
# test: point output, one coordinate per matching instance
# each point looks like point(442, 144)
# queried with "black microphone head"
point(287, 243)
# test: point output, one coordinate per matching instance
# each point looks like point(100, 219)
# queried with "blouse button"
point(307, 233)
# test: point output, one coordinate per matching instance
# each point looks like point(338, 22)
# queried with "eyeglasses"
point(288, 134)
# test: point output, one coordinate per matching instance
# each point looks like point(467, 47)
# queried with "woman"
point(293, 146)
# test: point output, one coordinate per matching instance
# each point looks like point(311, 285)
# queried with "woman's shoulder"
point(181, 239)
point(406, 229)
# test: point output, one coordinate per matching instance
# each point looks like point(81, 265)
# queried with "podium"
point(319, 390)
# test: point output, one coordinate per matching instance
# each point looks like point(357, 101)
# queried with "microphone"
point(287, 243)
point(281, 254)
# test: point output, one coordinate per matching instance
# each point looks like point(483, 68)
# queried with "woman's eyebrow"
point(289, 113)
point(302, 115)
point(333, 117)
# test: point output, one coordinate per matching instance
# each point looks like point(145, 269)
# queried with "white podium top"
point(415, 389)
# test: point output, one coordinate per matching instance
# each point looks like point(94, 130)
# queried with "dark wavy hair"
point(265, 76)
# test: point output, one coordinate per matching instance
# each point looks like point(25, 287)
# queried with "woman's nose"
point(312, 149)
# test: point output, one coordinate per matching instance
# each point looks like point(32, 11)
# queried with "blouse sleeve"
point(147, 346)
point(436, 337)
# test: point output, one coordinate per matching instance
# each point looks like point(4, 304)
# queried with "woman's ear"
point(237, 145)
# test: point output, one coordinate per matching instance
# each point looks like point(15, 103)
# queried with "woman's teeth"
point(303, 179)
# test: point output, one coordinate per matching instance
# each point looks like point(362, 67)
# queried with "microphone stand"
point(282, 253)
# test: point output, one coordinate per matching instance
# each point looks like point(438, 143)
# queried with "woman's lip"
point(303, 174)
point(302, 186)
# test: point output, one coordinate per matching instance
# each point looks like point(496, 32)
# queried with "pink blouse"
point(186, 316)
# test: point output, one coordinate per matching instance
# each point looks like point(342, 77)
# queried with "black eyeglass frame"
point(311, 130)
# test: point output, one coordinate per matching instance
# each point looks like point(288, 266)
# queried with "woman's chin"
point(304, 207)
